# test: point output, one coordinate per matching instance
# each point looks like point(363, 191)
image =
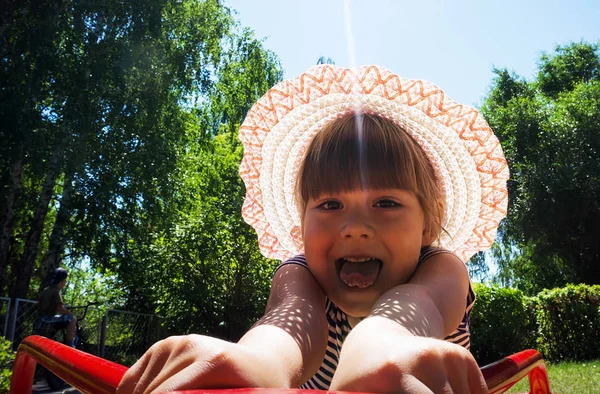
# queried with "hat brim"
point(462, 148)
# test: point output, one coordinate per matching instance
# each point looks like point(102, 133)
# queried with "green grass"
point(569, 378)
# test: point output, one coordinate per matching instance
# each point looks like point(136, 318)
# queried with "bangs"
point(361, 151)
point(366, 151)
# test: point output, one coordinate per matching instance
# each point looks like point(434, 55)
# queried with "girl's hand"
point(185, 362)
point(283, 349)
point(409, 365)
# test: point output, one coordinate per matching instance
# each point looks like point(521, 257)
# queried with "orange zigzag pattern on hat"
point(478, 139)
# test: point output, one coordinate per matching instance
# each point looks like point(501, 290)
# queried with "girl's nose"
point(357, 227)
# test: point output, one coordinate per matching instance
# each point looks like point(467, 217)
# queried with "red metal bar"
point(502, 375)
point(85, 372)
point(91, 374)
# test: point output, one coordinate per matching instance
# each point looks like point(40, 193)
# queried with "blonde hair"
point(360, 151)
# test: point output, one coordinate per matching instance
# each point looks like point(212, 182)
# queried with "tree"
point(325, 60)
point(569, 66)
point(548, 128)
point(129, 160)
point(207, 273)
point(203, 270)
point(26, 35)
point(98, 119)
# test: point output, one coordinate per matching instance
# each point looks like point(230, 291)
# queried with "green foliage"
point(568, 67)
point(563, 323)
point(129, 182)
point(325, 60)
point(548, 129)
point(88, 285)
point(247, 70)
point(207, 275)
point(478, 266)
point(94, 92)
point(7, 357)
point(569, 323)
point(502, 323)
point(199, 266)
point(139, 103)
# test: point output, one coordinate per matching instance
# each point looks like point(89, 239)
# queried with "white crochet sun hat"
point(462, 148)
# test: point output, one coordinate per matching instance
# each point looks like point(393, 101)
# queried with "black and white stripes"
point(339, 327)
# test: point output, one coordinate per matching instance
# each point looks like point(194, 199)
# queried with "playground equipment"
point(94, 375)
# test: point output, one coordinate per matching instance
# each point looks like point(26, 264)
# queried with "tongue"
point(359, 274)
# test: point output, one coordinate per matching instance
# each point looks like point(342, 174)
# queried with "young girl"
point(373, 190)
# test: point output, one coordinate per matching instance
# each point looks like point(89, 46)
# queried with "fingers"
point(179, 363)
point(410, 384)
point(131, 377)
point(457, 377)
point(159, 368)
point(164, 359)
point(136, 379)
point(184, 379)
point(464, 375)
point(476, 381)
point(423, 365)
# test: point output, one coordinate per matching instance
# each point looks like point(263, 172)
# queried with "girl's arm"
point(399, 347)
point(294, 327)
point(283, 349)
point(437, 291)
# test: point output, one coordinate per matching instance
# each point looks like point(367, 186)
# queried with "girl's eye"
point(386, 204)
point(330, 205)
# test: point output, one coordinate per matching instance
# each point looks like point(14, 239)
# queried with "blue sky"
point(453, 44)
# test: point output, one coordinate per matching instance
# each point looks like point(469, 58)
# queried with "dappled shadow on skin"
point(403, 312)
point(295, 312)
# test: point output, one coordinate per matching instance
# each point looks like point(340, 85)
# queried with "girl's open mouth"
point(358, 272)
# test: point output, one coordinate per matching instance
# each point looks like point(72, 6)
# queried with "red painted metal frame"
point(502, 375)
point(85, 372)
point(91, 374)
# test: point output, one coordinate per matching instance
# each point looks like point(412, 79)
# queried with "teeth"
point(361, 260)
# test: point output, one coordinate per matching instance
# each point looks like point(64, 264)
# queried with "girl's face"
point(362, 243)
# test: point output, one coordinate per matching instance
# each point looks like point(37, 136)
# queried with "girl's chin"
point(356, 311)
point(356, 304)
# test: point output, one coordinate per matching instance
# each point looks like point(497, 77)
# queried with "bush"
point(6, 360)
point(569, 323)
point(502, 323)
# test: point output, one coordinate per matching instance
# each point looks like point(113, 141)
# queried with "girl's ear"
point(428, 237)
point(433, 225)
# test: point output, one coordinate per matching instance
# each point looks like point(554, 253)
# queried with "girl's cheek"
point(313, 230)
point(323, 225)
point(316, 232)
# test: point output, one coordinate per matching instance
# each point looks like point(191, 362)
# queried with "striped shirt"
point(339, 327)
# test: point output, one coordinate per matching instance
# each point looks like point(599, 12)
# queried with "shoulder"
point(293, 284)
point(445, 279)
point(428, 252)
point(442, 264)
point(299, 259)
point(443, 274)
point(447, 263)
point(293, 276)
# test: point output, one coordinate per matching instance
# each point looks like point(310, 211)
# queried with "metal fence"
point(21, 315)
point(125, 336)
point(119, 336)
